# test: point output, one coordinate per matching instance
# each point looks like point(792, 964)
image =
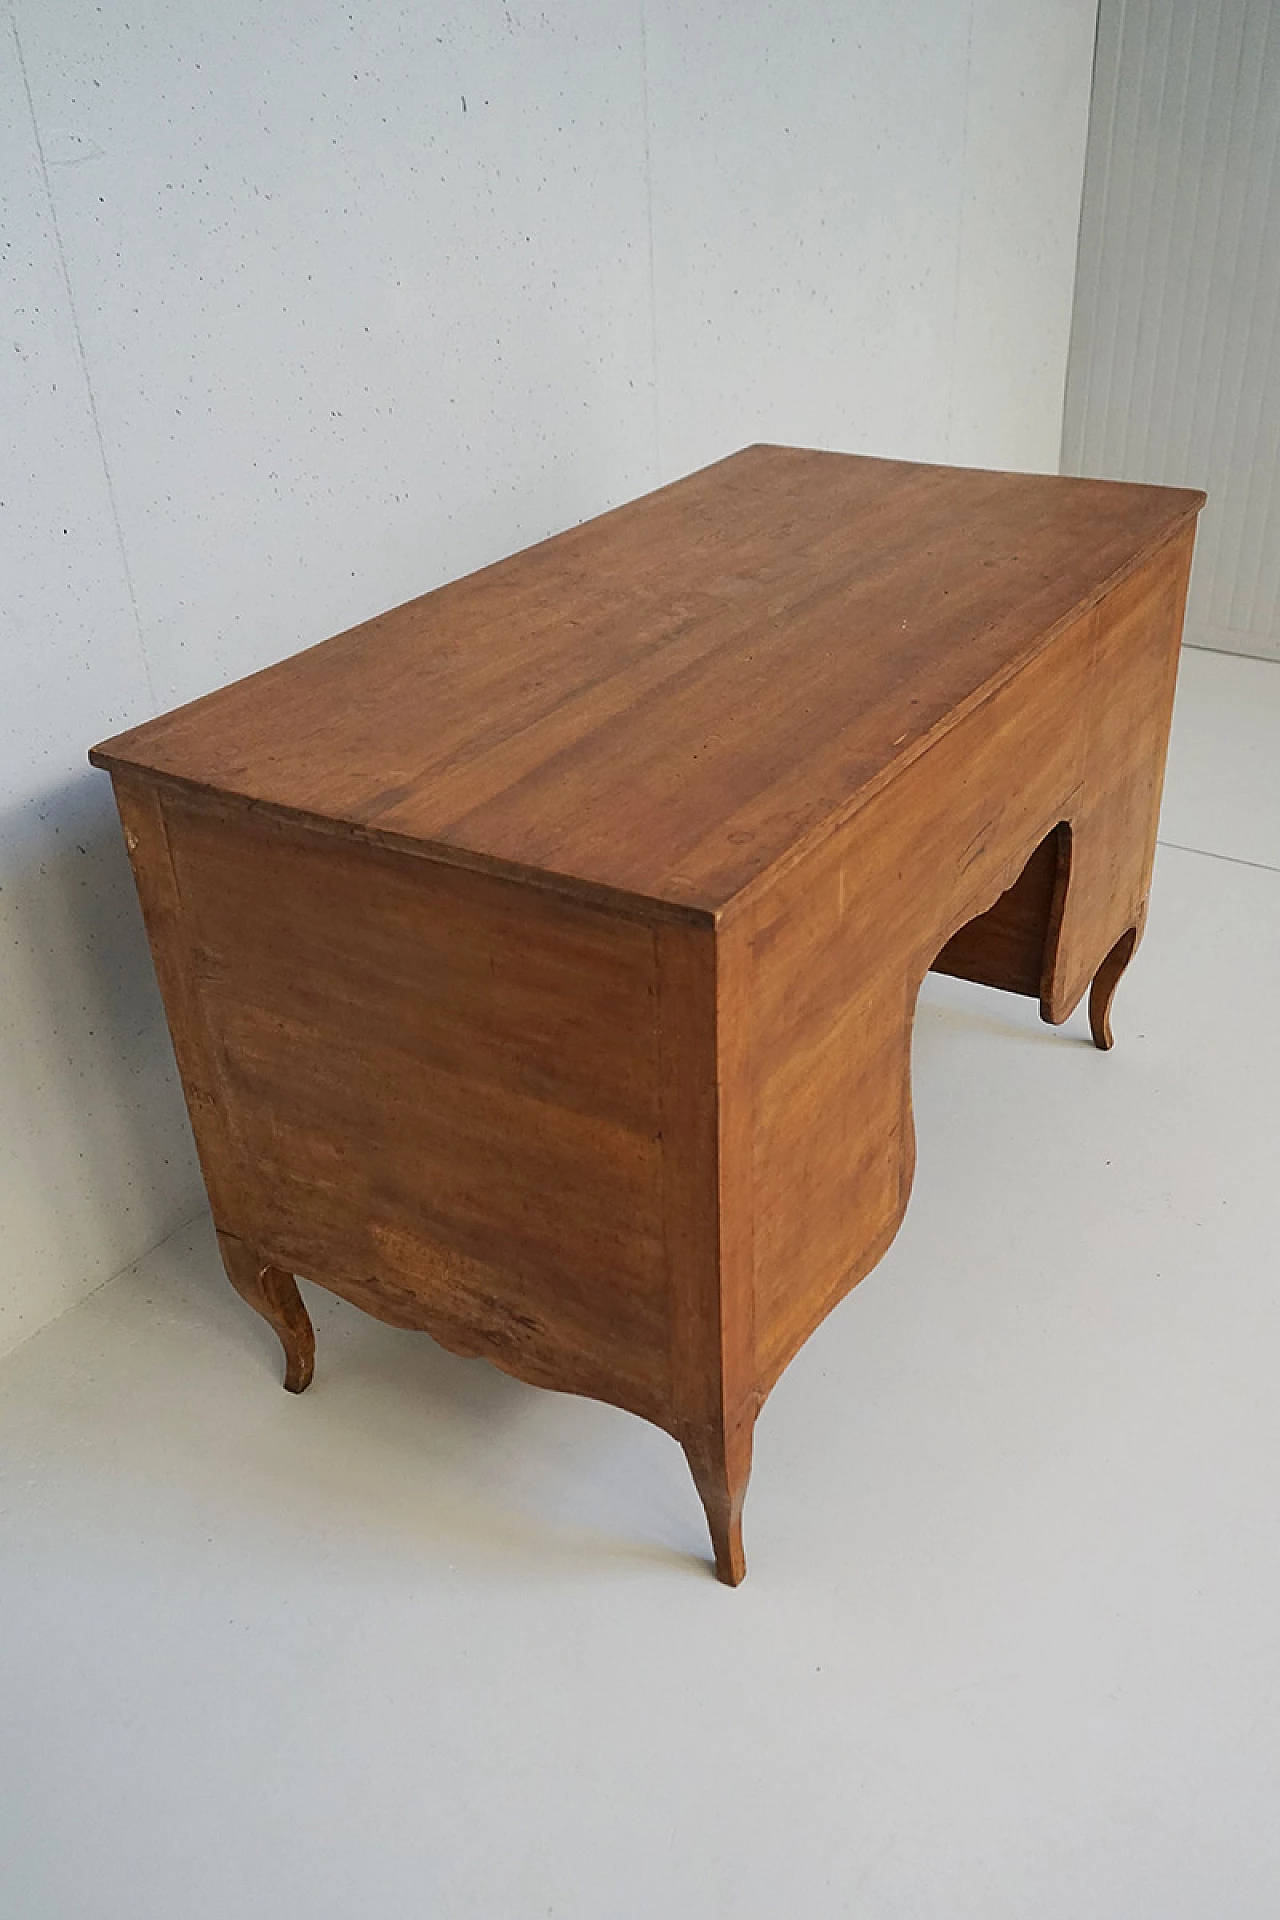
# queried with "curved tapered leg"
point(1103, 990)
point(274, 1294)
point(720, 1463)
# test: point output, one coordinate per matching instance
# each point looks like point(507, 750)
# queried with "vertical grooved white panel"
point(1174, 371)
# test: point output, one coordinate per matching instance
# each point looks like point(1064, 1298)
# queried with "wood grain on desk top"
point(665, 700)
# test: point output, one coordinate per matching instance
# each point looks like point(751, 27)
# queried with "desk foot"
point(721, 1466)
point(274, 1294)
point(1103, 990)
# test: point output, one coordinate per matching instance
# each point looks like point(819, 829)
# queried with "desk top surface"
point(664, 701)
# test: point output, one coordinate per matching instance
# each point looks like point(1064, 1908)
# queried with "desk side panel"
point(431, 1090)
point(1088, 881)
point(1137, 639)
point(835, 954)
point(1031, 826)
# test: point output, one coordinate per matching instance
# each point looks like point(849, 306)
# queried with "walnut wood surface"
point(666, 700)
point(541, 958)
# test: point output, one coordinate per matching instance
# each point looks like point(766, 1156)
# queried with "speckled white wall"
point(316, 306)
point(865, 220)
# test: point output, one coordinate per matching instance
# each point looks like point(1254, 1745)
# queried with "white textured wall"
point(865, 219)
point(1175, 354)
point(296, 333)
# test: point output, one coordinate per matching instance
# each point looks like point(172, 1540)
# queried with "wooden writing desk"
point(541, 957)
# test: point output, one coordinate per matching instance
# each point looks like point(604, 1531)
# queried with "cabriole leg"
point(274, 1294)
point(1103, 990)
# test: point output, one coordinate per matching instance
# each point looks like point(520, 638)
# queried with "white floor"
point(427, 1642)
